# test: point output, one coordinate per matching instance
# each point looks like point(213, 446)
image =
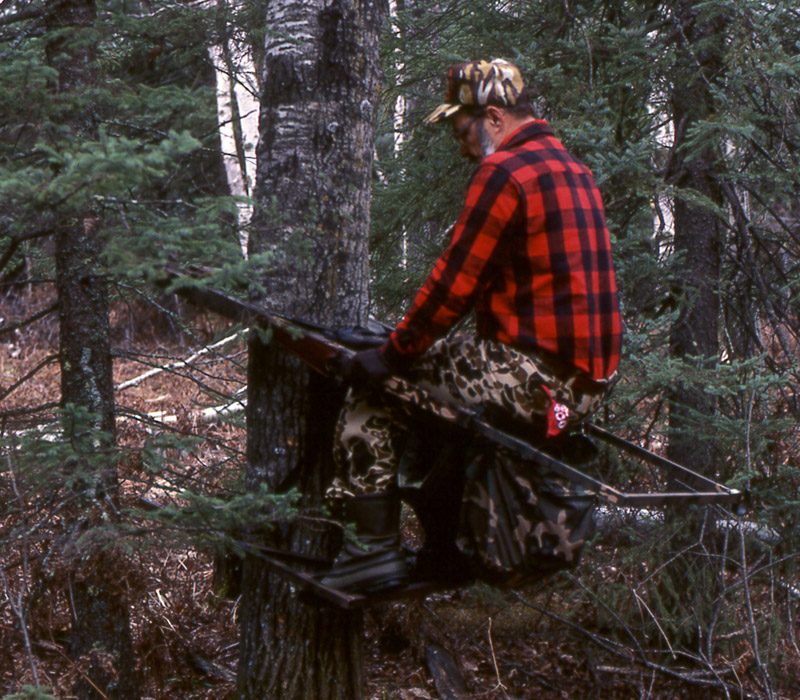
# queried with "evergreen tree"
point(109, 167)
point(684, 125)
point(687, 114)
point(101, 636)
point(694, 171)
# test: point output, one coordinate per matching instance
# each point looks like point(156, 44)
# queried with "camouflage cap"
point(479, 84)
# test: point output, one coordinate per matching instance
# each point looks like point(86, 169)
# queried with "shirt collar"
point(526, 132)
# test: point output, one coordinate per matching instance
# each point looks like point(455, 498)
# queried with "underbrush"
point(690, 608)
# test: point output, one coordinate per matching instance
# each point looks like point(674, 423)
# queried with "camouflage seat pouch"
point(519, 524)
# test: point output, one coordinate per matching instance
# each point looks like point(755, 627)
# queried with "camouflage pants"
point(460, 369)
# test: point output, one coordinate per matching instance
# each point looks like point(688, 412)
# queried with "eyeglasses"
point(461, 134)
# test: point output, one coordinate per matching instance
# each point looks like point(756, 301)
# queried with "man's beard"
point(484, 140)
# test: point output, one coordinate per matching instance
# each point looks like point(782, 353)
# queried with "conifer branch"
point(9, 328)
point(4, 393)
point(21, 16)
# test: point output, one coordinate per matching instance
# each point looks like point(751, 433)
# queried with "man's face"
point(467, 132)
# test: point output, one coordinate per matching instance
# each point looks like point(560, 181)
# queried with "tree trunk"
point(100, 642)
point(694, 337)
point(237, 111)
point(313, 192)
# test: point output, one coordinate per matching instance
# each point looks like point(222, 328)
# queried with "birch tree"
point(312, 217)
point(237, 110)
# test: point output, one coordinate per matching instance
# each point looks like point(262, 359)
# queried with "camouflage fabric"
point(465, 370)
point(479, 84)
point(518, 523)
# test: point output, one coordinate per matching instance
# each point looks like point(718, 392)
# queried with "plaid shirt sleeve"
point(468, 263)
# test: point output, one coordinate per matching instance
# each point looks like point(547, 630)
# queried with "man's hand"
point(365, 368)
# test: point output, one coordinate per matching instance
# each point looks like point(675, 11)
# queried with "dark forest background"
point(120, 491)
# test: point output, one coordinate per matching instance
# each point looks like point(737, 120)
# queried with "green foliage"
point(223, 523)
point(136, 146)
point(607, 73)
point(132, 144)
point(66, 459)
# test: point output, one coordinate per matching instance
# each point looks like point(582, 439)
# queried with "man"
point(530, 253)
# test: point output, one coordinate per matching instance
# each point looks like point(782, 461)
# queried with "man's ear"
point(495, 116)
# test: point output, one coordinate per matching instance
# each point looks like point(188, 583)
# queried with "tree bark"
point(313, 191)
point(237, 111)
point(694, 337)
point(100, 640)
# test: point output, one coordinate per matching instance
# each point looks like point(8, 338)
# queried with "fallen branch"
point(644, 520)
point(128, 413)
point(446, 676)
point(205, 415)
point(706, 679)
point(178, 363)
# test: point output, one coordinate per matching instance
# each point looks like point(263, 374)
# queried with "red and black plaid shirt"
point(531, 253)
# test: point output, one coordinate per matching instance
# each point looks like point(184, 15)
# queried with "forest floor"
point(543, 642)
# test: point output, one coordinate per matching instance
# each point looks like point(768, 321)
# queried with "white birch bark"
point(237, 111)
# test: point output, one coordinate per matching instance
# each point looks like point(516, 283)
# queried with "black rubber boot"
point(439, 559)
point(377, 563)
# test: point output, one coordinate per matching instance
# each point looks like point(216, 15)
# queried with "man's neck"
point(499, 125)
point(509, 126)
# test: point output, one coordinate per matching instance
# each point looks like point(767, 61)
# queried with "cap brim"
point(443, 111)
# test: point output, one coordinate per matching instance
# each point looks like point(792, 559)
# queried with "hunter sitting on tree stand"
point(531, 253)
